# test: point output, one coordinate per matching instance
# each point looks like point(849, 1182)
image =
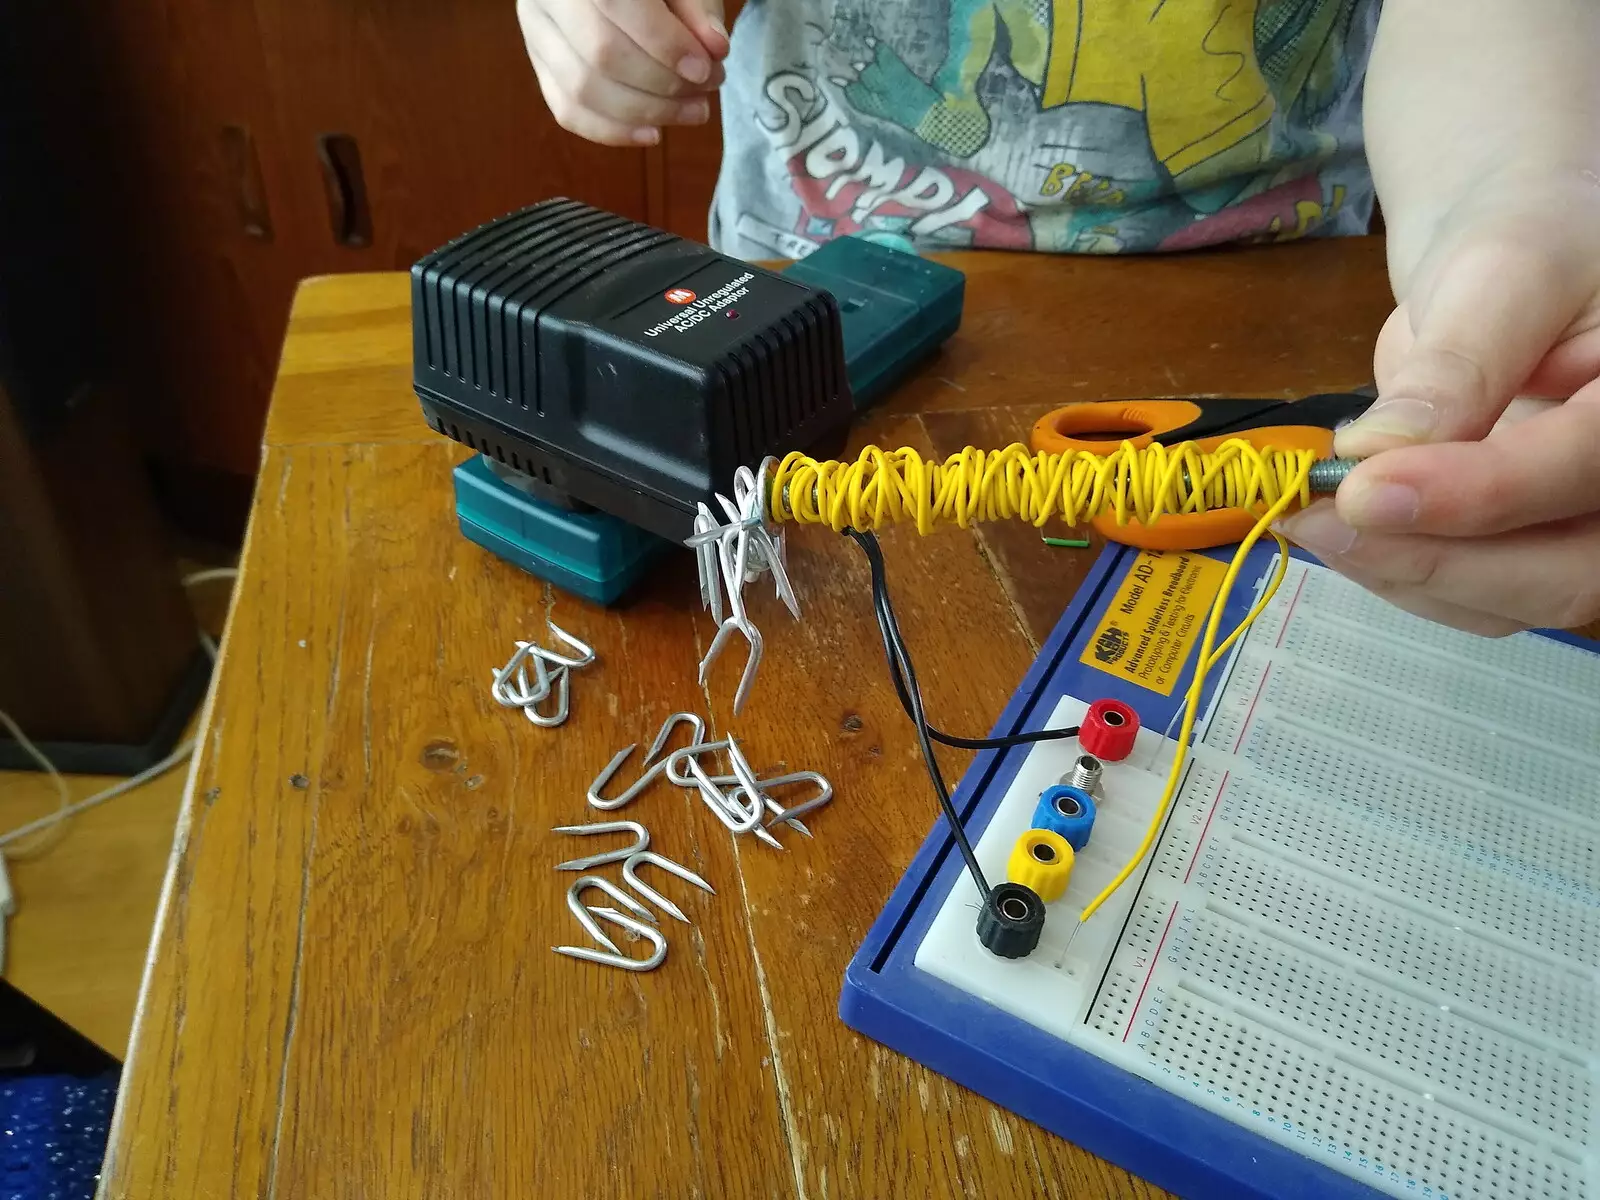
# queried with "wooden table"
point(352, 991)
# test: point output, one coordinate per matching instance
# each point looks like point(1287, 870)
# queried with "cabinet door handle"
point(346, 189)
point(243, 166)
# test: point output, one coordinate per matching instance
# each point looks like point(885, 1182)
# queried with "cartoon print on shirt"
point(1062, 124)
point(846, 186)
point(1189, 66)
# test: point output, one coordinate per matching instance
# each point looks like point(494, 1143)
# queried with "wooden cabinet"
point(226, 149)
point(98, 658)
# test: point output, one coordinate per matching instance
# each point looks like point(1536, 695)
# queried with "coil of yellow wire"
point(882, 487)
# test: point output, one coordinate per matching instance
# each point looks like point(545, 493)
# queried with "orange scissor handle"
point(1102, 426)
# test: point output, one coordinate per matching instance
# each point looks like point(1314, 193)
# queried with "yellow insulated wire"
point(1209, 658)
point(883, 487)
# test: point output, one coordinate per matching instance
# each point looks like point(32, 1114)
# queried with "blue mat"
point(53, 1132)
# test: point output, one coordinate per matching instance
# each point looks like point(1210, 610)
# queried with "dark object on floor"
point(57, 1089)
point(33, 1041)
point(53, 1131)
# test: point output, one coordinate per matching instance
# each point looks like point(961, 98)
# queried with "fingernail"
point(1379, 505)
point(694, 68)
point(1389, 422)
point(695, 112)
point(717, 25)
point(647, 137)
point(1319, 530)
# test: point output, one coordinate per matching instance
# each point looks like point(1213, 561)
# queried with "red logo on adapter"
point(679, 295)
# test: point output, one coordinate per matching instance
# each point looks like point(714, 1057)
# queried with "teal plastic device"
point(895, 309)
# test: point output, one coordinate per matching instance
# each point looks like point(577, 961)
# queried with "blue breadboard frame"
point(1152, 1132)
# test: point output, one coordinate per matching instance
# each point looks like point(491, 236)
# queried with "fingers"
point(552, 63)
point(1479, 506)
point(1547, 576)
point(704, 18)
point(1570, 364)
point(1394, 343)
point(610, 52)
point(604, 85)
point(1480, 323)
point(1530, 472)
point(656, 30)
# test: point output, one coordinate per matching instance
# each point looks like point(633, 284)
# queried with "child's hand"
point(1467, 513)
point(616, 71)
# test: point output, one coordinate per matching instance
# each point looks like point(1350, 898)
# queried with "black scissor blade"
point(1220, 418)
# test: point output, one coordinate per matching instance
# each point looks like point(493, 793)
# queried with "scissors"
point(1306, 424)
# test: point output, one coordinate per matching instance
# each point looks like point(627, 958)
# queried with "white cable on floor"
point(211, 573)
point(8, 905)
point(153, 771)
point(51, 823)
point(63, 793)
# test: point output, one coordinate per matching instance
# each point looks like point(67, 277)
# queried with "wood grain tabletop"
point(352, 991)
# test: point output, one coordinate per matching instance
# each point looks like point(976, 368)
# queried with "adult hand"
point(616, 71)
point(1470, 510)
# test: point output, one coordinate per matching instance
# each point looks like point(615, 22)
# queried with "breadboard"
point(1363, 956)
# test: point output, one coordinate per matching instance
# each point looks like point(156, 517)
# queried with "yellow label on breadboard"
point(1155, 619)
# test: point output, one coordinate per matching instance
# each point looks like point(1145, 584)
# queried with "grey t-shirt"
point(1082, 126)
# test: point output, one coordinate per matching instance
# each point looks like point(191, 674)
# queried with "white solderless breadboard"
point(1371, 929)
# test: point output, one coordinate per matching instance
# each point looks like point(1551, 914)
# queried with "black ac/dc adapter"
point(614, 376)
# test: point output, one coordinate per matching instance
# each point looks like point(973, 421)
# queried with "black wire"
point(889, 630)
point(911, 695)
point(905, 684)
